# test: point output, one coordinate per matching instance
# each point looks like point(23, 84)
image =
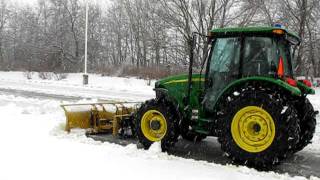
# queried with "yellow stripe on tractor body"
point(104, 117)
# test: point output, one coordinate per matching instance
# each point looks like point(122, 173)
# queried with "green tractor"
point(247, 97)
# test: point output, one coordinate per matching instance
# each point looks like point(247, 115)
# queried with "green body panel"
point(177, 89)
point(249, 30)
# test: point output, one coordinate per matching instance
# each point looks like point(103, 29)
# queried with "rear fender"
point(305, 90)
point(265, 81)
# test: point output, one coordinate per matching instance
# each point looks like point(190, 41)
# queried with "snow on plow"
point(103, 117)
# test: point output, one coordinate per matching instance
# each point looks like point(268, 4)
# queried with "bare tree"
point(4, 14)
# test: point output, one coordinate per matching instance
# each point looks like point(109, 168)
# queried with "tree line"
point(151, 37)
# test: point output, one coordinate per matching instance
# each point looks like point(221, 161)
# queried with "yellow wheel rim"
point(153, 125)
point(253, 129)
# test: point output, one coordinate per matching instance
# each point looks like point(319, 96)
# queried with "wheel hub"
point(153, 125)
point(253, 129)
point(256, 128)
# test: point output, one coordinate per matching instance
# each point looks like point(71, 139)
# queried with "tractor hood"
point(183, 78)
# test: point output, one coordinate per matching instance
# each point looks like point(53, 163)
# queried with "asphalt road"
point(30, 94)
point(304, 163)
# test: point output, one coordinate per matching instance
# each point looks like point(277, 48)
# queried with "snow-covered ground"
point(99, 87)
point(34, 146)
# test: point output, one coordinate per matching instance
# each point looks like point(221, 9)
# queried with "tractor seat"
point(256, 68)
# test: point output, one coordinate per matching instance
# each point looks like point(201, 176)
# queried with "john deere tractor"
point(247, 97)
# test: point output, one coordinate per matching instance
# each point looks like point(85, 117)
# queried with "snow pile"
point(34, 146)
point(103, 87)
point(315, 100)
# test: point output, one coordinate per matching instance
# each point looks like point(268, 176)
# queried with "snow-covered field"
point(34, 146)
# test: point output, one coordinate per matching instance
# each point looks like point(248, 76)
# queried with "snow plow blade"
point(104, 117)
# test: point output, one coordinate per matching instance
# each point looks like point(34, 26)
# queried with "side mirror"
point(210, 36)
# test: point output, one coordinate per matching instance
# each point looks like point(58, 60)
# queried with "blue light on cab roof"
point(277, 25)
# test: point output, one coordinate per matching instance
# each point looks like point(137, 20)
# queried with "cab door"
point(223, 68)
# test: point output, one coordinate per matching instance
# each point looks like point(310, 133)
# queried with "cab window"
point(262, 54)
point(225, 55)
point(259, 54)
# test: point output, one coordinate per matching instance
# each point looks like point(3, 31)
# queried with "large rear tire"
point(257, 128)
point(157, 120)
point(308, 122)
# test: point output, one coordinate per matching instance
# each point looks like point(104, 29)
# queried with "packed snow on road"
point(99, 87)
point(35, 146)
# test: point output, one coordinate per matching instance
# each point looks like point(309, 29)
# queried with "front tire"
point(156, 120)
point(257, 128)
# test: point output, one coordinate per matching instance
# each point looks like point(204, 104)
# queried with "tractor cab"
point(238, 53)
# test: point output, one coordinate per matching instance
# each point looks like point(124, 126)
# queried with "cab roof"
point(250, 30)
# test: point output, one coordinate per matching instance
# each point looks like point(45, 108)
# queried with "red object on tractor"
point(291, 82)
point(280, 68)
point(307, 83)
